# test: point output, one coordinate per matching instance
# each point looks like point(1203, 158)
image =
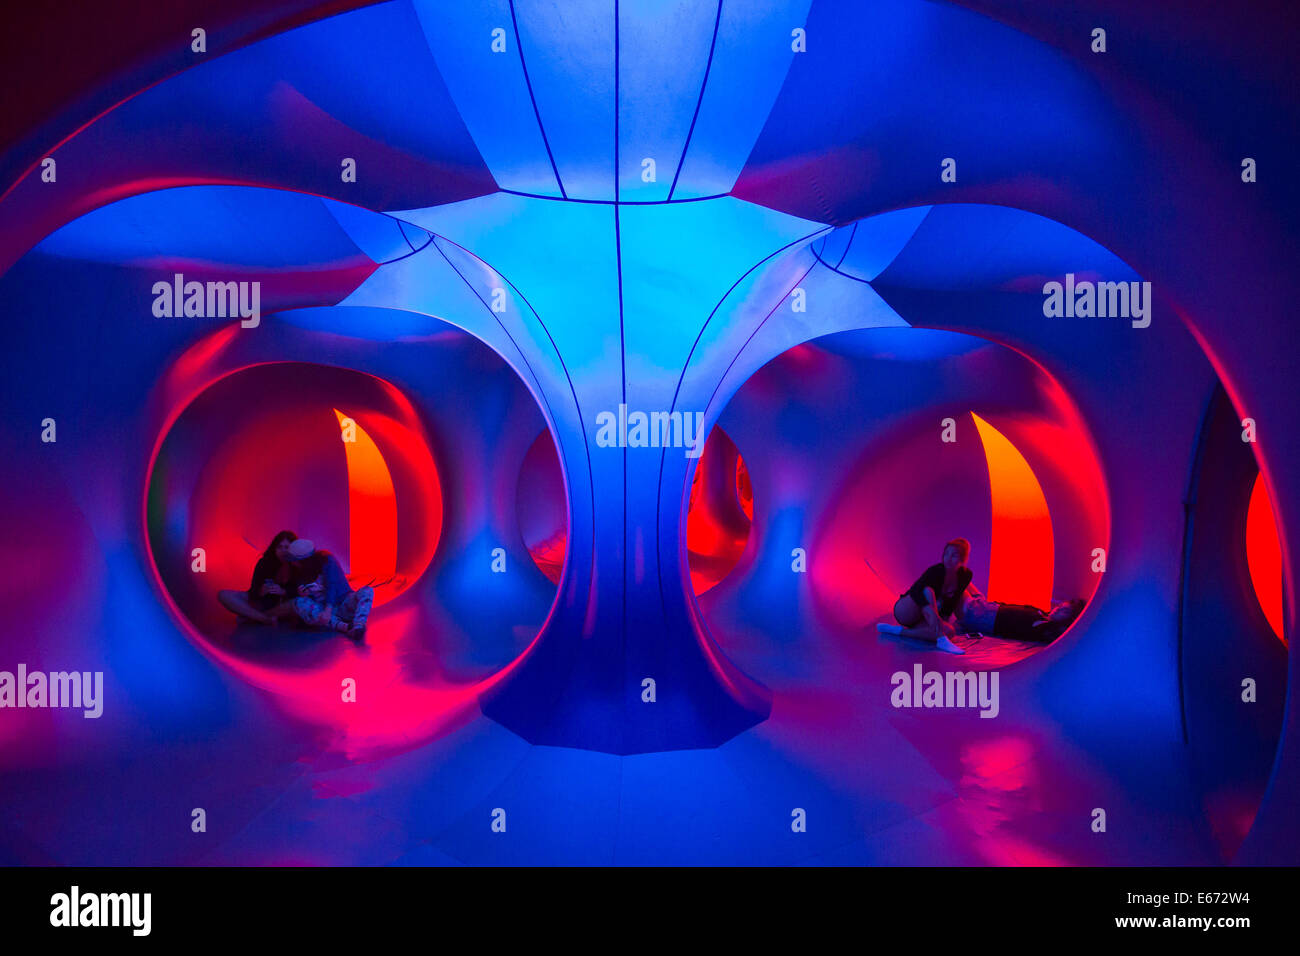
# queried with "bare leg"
point(237, 603)
point(924, 624)
point(907, 612)
point(923, 632)
point(914, 620)
point(932, 628)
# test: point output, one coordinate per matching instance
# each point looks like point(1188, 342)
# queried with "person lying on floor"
point(325, 599)
point(1020, 622)
point(272, 577)
point(924, 611)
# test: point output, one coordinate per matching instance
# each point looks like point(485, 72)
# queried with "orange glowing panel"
point(372, 506)
point(1020, 559)
point(1264, 555)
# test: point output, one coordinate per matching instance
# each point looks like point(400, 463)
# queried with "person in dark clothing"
point(324, 598)
point(273, 577)
point(923, 610)
point(1021, 622)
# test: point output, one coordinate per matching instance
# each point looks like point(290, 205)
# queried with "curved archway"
point(270, 447)
point(719, 511)
point(1233, 654)
point(890, 442)
point(401, 470)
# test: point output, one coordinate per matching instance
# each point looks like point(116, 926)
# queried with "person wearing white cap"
point(326, 599)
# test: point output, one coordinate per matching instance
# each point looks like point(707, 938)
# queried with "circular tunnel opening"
point(405, 472)
point(868, 451)
point(1234, 649)
point(334, 455)
point(719, 517)
point(541, 509)
point(720, 512)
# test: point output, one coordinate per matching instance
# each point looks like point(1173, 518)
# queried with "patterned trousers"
point(352, 611)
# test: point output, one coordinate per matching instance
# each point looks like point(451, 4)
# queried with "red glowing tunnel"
point(720, 510)
point(1264, 555)
point(892, 443)
point(334, 455)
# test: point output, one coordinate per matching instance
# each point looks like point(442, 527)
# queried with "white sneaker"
point(889, 628)
point(946, 645)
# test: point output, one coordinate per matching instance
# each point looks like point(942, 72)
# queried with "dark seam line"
point(837, 271)
point(757, 329)
point(591, 481)
point(853, 235)
point(401, 227)
point(698, 103)
point(617, 51)
point(501, 325)
point(622, 341)
point(610, 202)
point(741, 351)
point(732, 364)
point(407, 255)
point(541, 391)
point(744, 275)
point(533, 99)
point(663, 602)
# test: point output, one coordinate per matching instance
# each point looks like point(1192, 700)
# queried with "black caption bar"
point(331, 905)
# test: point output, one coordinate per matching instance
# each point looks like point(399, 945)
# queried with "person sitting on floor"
point(326, 599)
point(1020, 622)
point(272, 576)
point(924, 610)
